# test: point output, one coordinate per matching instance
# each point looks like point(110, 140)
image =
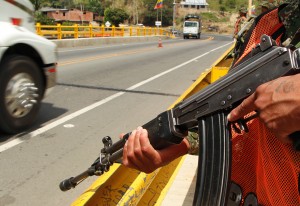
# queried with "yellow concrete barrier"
point(124, 186)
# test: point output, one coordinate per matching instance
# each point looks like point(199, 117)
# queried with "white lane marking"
point(69, 125)
point(10, 144)
point(41, 130)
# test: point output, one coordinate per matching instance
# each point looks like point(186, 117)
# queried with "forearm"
point(173, 152)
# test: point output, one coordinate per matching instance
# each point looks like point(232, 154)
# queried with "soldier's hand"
point(278, 105)
point(139, 154)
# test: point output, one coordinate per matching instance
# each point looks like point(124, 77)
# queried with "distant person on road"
point(240, 21)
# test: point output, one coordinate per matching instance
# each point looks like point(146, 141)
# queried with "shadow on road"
point(46, 114)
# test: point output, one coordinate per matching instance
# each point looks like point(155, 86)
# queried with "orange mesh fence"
point(268, 25)
point(263, 165)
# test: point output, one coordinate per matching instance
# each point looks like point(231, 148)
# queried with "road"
point(101, 91)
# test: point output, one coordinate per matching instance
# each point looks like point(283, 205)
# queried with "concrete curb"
point(67, 43)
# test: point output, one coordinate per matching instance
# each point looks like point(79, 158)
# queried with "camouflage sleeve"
point(289, 14)
point(193, 139)
point(242, 22)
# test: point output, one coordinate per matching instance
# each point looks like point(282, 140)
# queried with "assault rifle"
point(207, 110)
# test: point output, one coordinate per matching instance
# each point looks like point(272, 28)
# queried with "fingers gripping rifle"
point(207, 109)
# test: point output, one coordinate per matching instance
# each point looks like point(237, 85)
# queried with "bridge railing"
point(78, 31)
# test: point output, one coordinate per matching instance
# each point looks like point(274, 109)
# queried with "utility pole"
point(250, 7)
point(161, 16)
point(136, 11)
point(174, 13)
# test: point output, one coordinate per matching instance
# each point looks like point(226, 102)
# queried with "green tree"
point(80, 4)
point(231, 4)
point(37, 4)
point(151, 14)
point(95, 6)
point(43, 19)
point(115, 16)
point(222, 10)
point(57, 3)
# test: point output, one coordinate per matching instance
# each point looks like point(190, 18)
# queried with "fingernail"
point(133, 132)
point(139, 128)
point(229, 116)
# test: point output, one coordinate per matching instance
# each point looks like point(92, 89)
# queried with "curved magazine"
point(214, 163)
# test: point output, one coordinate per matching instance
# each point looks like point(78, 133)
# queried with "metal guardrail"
point(78, 31)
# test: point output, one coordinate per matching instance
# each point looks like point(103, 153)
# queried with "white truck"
point(27, 66)
point(192, 26)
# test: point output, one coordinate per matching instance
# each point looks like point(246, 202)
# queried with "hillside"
point(228, 5)
point(218, 18)
point(224, 24)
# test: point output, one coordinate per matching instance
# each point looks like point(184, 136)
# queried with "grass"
point(228, 5)
point(209, 16)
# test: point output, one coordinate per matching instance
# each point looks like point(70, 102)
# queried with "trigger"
point(243, 125)
point(240, 125)
point(235, 128)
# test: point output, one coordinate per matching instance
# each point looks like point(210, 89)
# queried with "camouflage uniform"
point(267, 5)
point(193, 140)
point(290, 16)
point(240, 21)
point(250, 21)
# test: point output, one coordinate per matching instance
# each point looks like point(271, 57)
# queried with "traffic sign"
point(107, 24)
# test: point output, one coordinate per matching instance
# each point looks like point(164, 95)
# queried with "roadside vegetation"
point(220, 14)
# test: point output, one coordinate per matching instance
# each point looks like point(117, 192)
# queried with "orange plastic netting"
point(263, 165)
point(268, 24)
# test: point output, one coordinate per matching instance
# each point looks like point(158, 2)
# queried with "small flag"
point(159, 4)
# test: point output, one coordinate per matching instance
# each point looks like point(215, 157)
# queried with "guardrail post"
point(102, 30)
point(59, 34)
point(123, 31)
point(91, 30)
point(38, 29)
point(76, 31)
point(138, 31)
point(113, 31)
point(130, 31)
point(144, 31)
